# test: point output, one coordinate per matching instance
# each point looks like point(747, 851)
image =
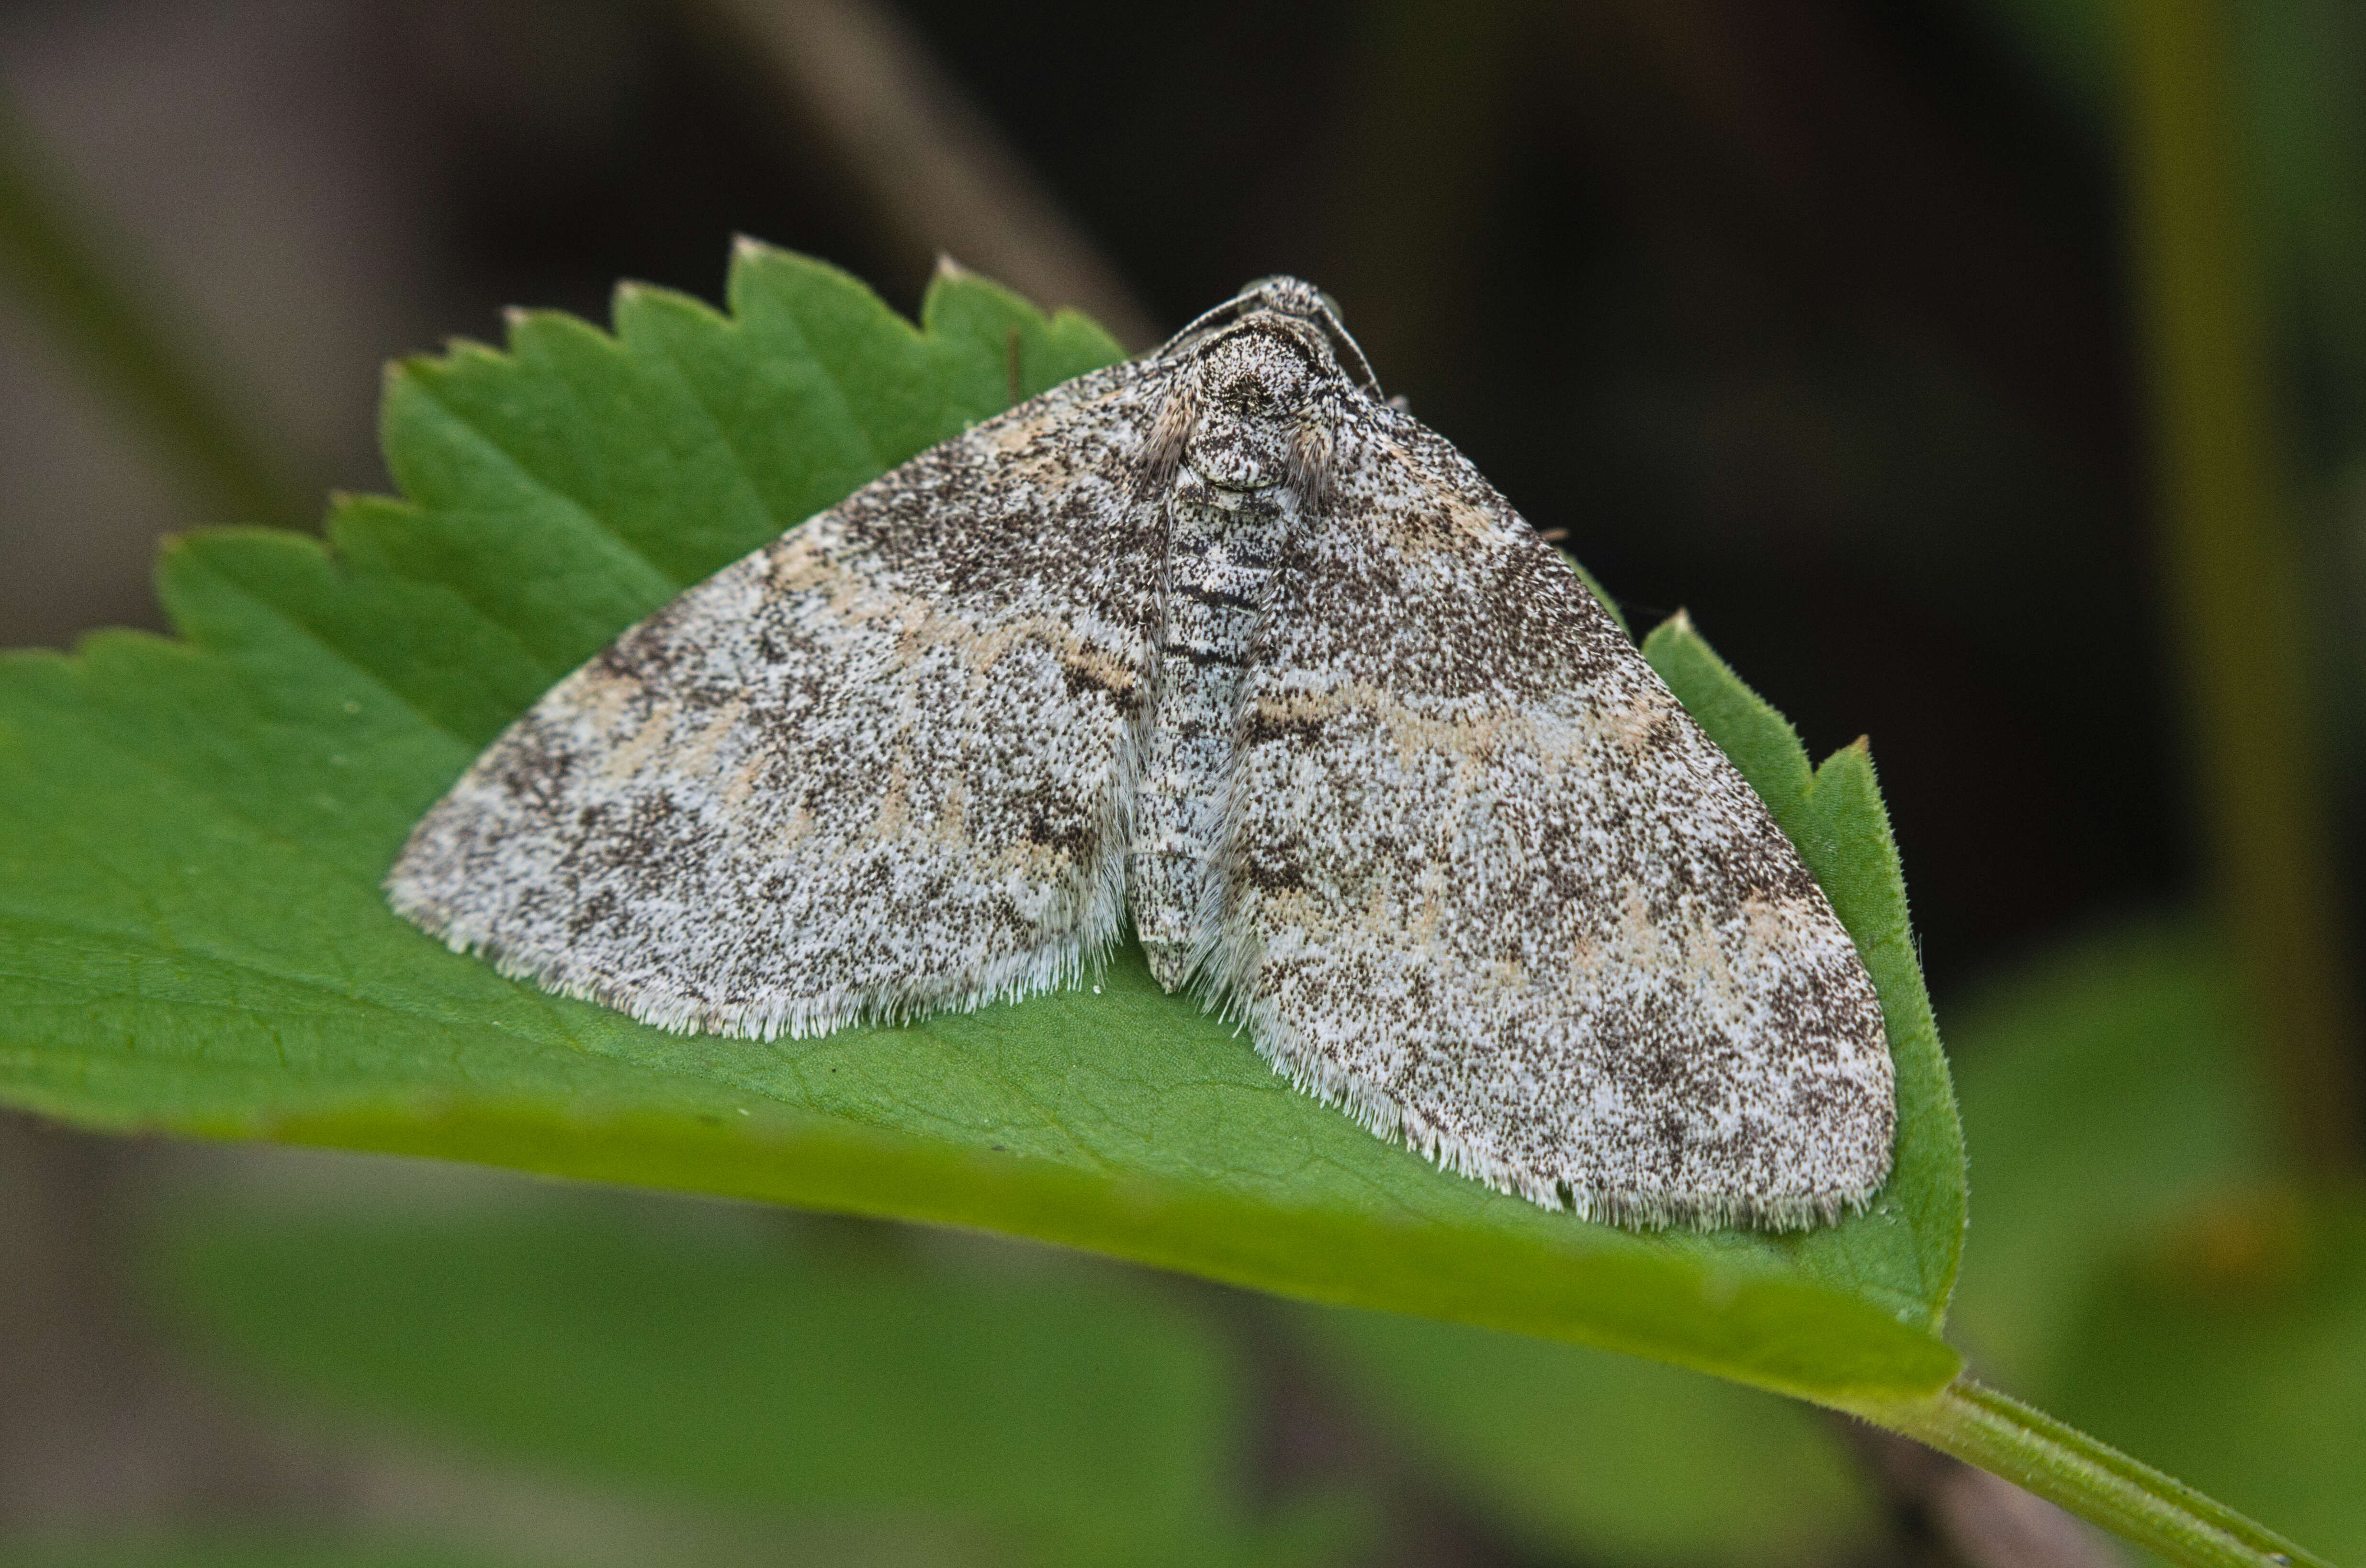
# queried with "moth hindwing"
point(1220, 643)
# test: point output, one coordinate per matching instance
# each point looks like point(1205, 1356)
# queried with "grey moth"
point(1220, 646)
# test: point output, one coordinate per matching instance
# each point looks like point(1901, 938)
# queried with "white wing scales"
point(1490, 889)
point(860, 773)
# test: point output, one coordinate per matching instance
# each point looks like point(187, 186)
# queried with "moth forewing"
point(880, 766)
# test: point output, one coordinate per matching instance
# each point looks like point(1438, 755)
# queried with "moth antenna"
point(1349, 353)
point(1207, 321)
point(1291, 296)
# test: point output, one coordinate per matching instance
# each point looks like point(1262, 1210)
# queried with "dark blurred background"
point(1815, 319)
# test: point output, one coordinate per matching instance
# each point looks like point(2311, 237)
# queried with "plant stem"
point(2232, 573)
point(2090, 1479)
point(54, 262)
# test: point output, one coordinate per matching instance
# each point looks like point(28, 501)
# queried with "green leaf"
point(816, 1375)
point(192, 938)
point(1577, 1454)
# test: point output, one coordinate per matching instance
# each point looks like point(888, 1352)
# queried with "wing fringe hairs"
point(1220, 642)
point(1637, 1210)
point(1008, 980)
point(1385, 1117)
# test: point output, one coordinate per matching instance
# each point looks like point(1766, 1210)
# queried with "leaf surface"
point(192, 937)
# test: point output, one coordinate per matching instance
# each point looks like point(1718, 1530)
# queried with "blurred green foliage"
point(276, 1549)
point(2138, 1263)
point(818, 1372)
point(1578, 1454)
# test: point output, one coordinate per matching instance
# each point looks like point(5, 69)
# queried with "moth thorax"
point(1251, 396)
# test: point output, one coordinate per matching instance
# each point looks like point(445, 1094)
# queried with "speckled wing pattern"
point(1492, 890)
point(881, 765)
point(1221, 644)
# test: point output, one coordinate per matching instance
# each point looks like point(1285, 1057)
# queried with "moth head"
point(1248, 391)
point(1298, 301)
point(1290, 295)
point(1296, 298)
point(1251, 410)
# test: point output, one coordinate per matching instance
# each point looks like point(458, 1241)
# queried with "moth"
point(1220, 645)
